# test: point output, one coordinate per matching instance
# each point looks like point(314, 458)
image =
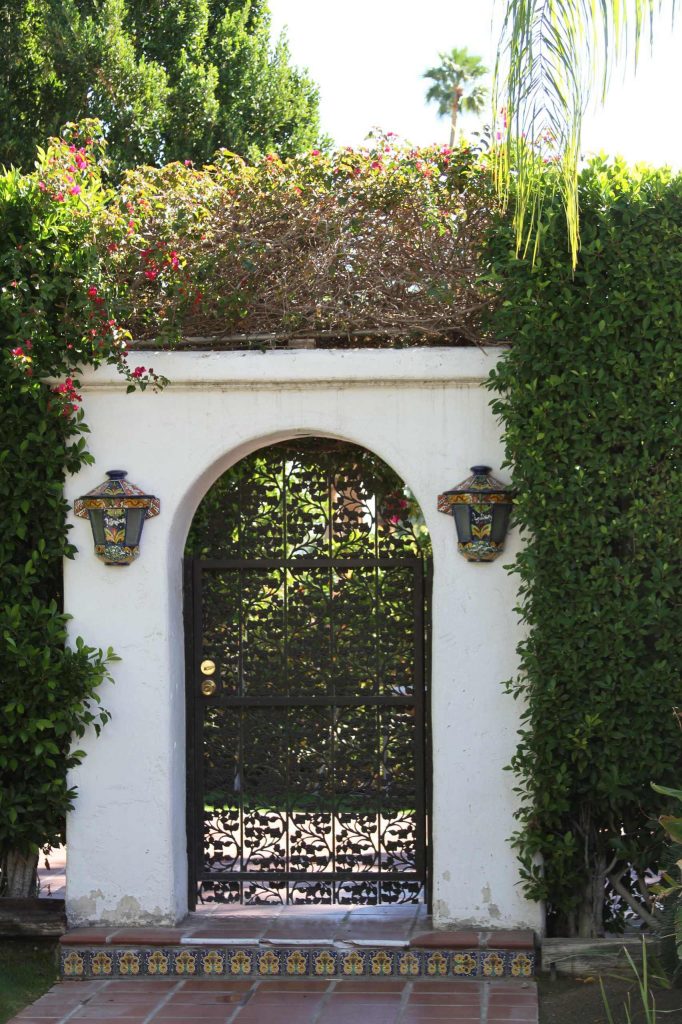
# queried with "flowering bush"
point(383, 242)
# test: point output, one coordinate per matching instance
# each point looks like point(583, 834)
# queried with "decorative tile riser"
point(313, 962)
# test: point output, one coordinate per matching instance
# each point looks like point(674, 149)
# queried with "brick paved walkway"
point(304, 1001)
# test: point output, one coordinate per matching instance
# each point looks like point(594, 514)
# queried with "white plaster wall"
point(425, 413)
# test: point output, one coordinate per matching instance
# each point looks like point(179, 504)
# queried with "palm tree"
point(455, 88)
point(551, 56)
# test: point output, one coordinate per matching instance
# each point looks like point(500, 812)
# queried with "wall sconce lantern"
point(117, 510)
point(481, 507)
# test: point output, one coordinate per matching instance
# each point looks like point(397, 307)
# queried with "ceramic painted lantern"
point(481, 507)
point(117, 510)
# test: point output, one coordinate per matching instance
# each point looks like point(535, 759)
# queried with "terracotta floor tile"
point(86, 936)
point(35, 1020)
point(146, 936)
point(209, 1011)
point(461, 939)
point(512, 1013)
point(447, 985)
point(307, 926)
point(444, 999)
point(301, 985)
point(429, 1013)
point(216, 985)
point(369, 985)
point(112, 1012)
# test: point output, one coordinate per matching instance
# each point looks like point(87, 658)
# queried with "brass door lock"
point(208, 687)
point(207, 667)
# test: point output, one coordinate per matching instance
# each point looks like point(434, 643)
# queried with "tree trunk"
point(20, 872)
point(457, 95)
point(589, 917)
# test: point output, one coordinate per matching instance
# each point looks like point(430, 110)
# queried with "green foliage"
point(170, 80)
point(589, 398)
point(48, 691)
point(551, 55)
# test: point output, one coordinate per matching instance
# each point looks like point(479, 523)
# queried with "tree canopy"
point(169, 79)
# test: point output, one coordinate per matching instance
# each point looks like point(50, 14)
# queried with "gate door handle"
point(208, 687)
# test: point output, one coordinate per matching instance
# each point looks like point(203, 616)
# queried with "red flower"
point(151, 274)
point(314, 152)
point(75, 190)
point(18, 351)
point(92, 291)
point(138, 371)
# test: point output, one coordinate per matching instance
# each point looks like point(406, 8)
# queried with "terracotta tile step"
point(469, 939)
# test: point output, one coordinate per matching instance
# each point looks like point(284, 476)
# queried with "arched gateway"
point(307, 726)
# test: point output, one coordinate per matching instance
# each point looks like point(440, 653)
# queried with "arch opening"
point(307, 686)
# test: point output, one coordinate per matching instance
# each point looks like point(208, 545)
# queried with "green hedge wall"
point(589, 396)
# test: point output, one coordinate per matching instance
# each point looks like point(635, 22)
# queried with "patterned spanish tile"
point(292, 961)
point(323, 963)
point(157, 962)
point(464, 963)
point(186, 964)
point(435, 964)
point(102, 964)
point(240, 963)
point(295, 962)
point(75, 963)
point(493, 963)
point(380, 963)
point(213, 962)
point(268, 963)
point(409, 964)
point(352, 964)
point(520, 965)
point(130, 963)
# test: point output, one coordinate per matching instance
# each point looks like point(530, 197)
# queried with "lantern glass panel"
point(96, 516)
point(500, 522)
point(134, 523)
point(463, 523)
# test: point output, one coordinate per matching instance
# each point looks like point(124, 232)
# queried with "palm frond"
point(551, 57)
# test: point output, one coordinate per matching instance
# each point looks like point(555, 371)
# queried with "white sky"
point(368, 56)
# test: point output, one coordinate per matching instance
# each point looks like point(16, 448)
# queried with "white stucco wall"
point(425, 413)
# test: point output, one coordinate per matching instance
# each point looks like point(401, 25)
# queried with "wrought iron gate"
point(306, 683)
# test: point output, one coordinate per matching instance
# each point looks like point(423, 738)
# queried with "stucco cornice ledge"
point(417, 367)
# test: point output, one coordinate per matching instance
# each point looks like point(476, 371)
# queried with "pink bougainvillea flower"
point(189, 163)
point(18, 352)
point(151, 274)
point(92, 291)
point(377, 165)
point(173, 259)
point(138, 371)
point(75, 190)
point(59, 198)
point(314, 152)
point(42, 186)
